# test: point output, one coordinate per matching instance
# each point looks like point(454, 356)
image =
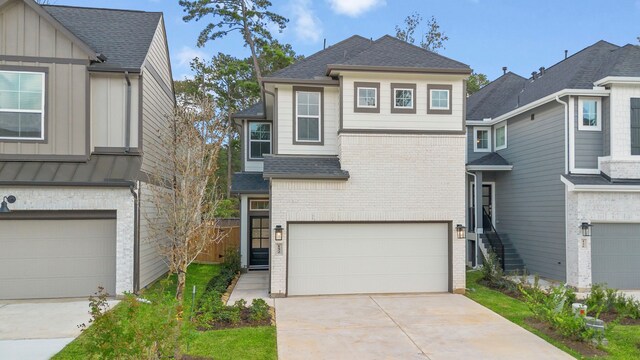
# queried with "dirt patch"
point(245, 321)
point(609, 317)
point(584, 348)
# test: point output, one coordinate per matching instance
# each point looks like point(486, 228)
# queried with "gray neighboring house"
point(83, 92)
point(557, 156)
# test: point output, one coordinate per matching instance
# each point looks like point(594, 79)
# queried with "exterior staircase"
point(512, 261)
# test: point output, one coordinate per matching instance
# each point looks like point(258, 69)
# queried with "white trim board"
point(599, 188)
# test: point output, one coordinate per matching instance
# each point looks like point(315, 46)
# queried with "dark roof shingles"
point(249, 183)
point(254, 111)
point(279, 166)
point(490, 159)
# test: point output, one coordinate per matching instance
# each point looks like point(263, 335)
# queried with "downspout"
point(566, 134)
point(127, 116)
point(475, 222)
point(136, 238)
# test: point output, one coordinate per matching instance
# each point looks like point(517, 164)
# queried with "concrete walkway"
point(252, 285)
point(433, 326)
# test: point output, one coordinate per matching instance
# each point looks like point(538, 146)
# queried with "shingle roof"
point(123, 36)
point(255, 111)
point(386, 51)
point(578, 71)
point(490, 159)
point(303, 167)
point(249, 183)
point(599, 180)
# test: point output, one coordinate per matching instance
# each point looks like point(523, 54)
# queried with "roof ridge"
point(421, 48)
point(97, 8)
point(581, 51)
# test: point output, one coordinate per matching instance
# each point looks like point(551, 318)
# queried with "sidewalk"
point(252, 285)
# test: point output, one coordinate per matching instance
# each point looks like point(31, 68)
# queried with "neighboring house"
point(83, 93)
point(353, 172)
point(556, 151)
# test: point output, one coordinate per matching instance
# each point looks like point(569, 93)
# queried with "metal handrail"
point(494, 239)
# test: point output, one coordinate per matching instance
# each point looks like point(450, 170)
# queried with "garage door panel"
point(367, 258)
point(56, 258)
point(615, 255)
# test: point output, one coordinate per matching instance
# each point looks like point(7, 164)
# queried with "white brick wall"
point(73, 198)
point(593, 207)
point(392, 178)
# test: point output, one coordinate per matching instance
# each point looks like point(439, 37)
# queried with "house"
point(83, 92)
point(353, 172)
point(557, 156)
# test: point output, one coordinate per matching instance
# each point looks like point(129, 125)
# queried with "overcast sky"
point(486, 34)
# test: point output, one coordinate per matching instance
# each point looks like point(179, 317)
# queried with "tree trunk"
point(182, 282)
point(249, 39)
point(229, 158)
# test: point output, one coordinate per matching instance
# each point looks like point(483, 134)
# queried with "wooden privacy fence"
point(214, 253)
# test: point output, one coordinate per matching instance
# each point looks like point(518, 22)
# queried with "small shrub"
point(493, 274)
point(232, 260)
point(603, 299)
point(259, 310)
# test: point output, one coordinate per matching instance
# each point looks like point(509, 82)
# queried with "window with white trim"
point(482, 140)
point(367, 97)
point(308, 122)
point(589, 114)
point(500, 134)
point(258, 205)
point(403, 98)
point(259, 140)
point(439, 99)
point(22, 98)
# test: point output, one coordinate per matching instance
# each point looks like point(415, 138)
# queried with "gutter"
point(566, 133)
point(490, 167)
point(127, 116)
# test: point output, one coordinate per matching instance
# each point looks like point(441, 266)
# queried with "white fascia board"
point(617, 80)
point(535, 104)
point(599, 188)
point(489, 167)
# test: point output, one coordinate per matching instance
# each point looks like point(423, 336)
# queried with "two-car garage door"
point(356, 258)
point(615, 255)
point(56, 258)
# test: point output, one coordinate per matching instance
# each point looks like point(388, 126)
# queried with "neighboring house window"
point(635, 126)
point(482, 140)
point(22, 99)
point(259, 140)
point(439, 99)
point(258, 205)
point(308, 117)
point(366, 97)
point(501, 137)
point(403, 98)
point(589, 114)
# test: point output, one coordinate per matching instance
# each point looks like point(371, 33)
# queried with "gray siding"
point(471, 155)
point(152, 264)
point(635, 126)
point(588, 144)
point(615, 254)
point(530, 204)
point(606, 126)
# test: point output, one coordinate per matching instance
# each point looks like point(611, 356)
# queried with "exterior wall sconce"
point(278, 230)
point(7, 199)
point(461, 231)
point(586, 229)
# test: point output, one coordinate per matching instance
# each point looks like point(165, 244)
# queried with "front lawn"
point(624, 341)
point(240, 343)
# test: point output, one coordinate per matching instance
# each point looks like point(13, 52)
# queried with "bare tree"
point(183, 198)
point(433, 39)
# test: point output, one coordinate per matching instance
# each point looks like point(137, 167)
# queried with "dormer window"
point(259, 140)
point(307, 121)
point(22, 99)
point(590, 114)
point(403, 98)
point(366, 97)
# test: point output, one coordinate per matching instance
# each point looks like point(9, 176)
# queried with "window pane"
point(9, 100)
point(308, 129)
point(24, 125)
point(404, 98)
point(9, 81)
point(30, 82)
point(500, 136)
point(314, 98)
point(440, 99)
point(590, 113)
point(482, 139)
point(30, 101)
point(367, 97)
point(314, 110)
point(260, 131)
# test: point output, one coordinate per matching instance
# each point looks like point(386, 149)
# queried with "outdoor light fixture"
point(7, 199)
point(461, 231)
point(278, 233)
point(586, 229)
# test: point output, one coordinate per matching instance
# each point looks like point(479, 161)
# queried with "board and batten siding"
point(108, 110)
point(157, 104)
point(588, 144)
point(385, 120)
point(330, 110)
point(530, 203)
point(152, 264)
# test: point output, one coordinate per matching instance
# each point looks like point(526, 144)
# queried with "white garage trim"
point(443, 232)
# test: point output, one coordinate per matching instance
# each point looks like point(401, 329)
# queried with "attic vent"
point(504, 70)
point(533, 116)
point(542, 69)
point(534, 75)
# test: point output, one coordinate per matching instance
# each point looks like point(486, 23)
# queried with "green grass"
point(241, 343)
point(623, 340)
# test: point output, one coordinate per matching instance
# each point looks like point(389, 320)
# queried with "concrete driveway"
point(39, 329)
point(430, 326)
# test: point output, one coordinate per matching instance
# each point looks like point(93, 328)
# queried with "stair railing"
point(494, 239)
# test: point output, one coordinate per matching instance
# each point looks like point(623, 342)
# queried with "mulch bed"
point(584, 348)
point(609, 317)
point(245, 321)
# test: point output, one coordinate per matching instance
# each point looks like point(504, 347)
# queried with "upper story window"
point(589, 114)
point(439, 99)
point(501, 136)
point(259, 140)
point(482, 140)
point(22, 99)
point(403, 98)
point(366, 97)
point(258, 204)
point(308, 117)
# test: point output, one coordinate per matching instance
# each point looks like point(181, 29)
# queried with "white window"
point(259, 140)
point(403, 98)
point(367, 97)
point(482, 140)
point(589, 114)
point(308, 121)
point(439, 99)
point(22, 105)
point(259, 205)
point(501, 137)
